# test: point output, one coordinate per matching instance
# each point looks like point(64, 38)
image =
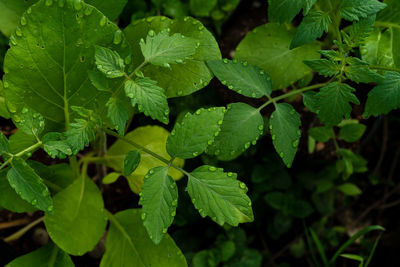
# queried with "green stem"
point(384, 68)
point(155, 155)
point(22, 231)
point(21, 153)
point(295, 92)
point(335, 140)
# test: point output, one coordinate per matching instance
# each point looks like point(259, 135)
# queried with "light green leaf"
point(128, 244)
point(202, 8)
point(245, 79)
point(20, 141)
point(357, 9)
point(78, 211)
point(150, 137)
point(352, 132)
point(29, 122)
point(4, 144)
point(358, 71)
point(51, 52)
point(220, 196)
point(284, 125)
point(361, 30)
point(283, 10)
point(385, 96)
point(334, 103)
point(332, 55)
point(54, 144)
point(241, 127)
point(131, 162)
point(3, 108)
point(111, 178)
point(161, 49)
point(80, 134)
point(180, 79)
point(109, 62)
point(271, 43)
point(324, 67)
point(349, 189)
point(48, 255)
point(118, 114)
point(149, 97)
point(29, 186)
point(311, 28)
point(159, 199)
point(191, 137)
point(322, 133)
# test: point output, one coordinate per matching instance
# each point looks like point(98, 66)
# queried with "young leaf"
point(80, 134)
point(220, 196)
point(358, 9)
point(284, 125)
point(55, 145)
point(361, 30)
point(332, 55)
point(149, 97)
point(78, 211)
point(322, 134)
point(245, 79)
point(29, 122)
point(349, 189)
point(131, 162)
point(128, 244)
point(111, 178)
point(283, 10)
point(118, 114)
point(358, 71)
point(311, 28)
point(29, 185)
point(159, 199)
point(109, 62)
point(324, 67)
point(191, 137)
point(385, 96)
point(334, 103)
point(241, 127)
point(352, 132)
point(162, 49)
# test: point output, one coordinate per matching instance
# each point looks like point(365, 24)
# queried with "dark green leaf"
point(118, 114)
point(56, 146)
point(202, 8)
point(358, 71)
point(322, 134)
point(361, 30)
point(109, 62)
point(283, 10)
point(352, 132)
point(4, 144)
point(358, 9)
point(131, 162)
point(323, 66)
point(307, 5)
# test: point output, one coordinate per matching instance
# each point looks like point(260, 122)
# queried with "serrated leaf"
point(310, 101)
point(324, 67)
point(109, 62)
point(361, 30)
point(283, 10)
point(271, 42)
point(48, 255)
point(245, 79)
point(334, 103)
point(111, 178)
point(149, 97)
point(29, 186)
point(352, 132)
point(307, 5)
point(128, 244)
point(118, 114)
point(80, 134)
point(55, 145)
point(131, 162)
point(321, 133)
point(29, 122)
point(241, 127)
point(357, 9)
point(358, 71)
point(4, 144)
point(159, 200)
point(201, 8)
point(3, 108)
point(332, 55)
point(161, 49)
point(311, 28)
point(78, 211)
point(284, 125)
point(220, 196)
point(191, 137)
point(385, 96)
point(349, 189)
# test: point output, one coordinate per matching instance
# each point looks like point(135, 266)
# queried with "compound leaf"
point(109, 62)
point(220, 196)
point(358, 9)
point(283, 10)
point(324, 67)
point(118, 114)
point(55, 145)
point(358, 71)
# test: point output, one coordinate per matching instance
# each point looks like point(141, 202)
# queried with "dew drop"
point(273, 137)
point(292, 111)
point(245, 63)
point(151, 171)
point(220, 122)
point(249, 204)
point(180, 93)
point(166, 65)
point(295, 143)
point(49, 2)
point(128, 60)
point(281, 154)
point(230, 174)
point(226, 60)
point(299, 132)
point(117, 37)
point(23, 21)
point(198, 112)
point(143, 216)
point(61, 3)
point(149, 19)
point(173, 213)
point(242, 185)
point(253, 94)
point(174, 202)
point(270, 127)
point(164, 230)
point(34, 202)
point(231, 87)
point(216, 134)
point(29, 11)
point(195, 154)
point(13, 40)
point(18, 32)
point(201, 27)
point(151, 33)
point(247, 145)
point(50, 208)
point(261, 127)
point(103, 21)
point(77, 5)
point(5, 84)
point(186, 19)
point(88, 11)
point(193, 200)
point(212, 169)
point(254, 142)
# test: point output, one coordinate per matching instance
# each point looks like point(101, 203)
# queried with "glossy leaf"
point(3, 108)
point(29, 122)
point(131, 162)
point(54, 144)
point(191, 137)
point(220, 196)
point(284, 126)
point(159, 198)
point(109, 62)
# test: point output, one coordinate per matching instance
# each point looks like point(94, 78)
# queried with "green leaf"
point(20, 141)
point(311, 28)
point(202, 8)
point(283, 10)
point(50, 55)
point(180, 79)
point(358, 9)
point(385, 96)
point(332, 55)
point(4, 144)
point(54, 144)
point(284, 125)
point(361, 30)
point(352, 132)
point(131, 162)
point(109, 62)
point(322, 133)
point(334, 103)
point(349, 189)
point(111, 178)
point(110, 9)
point(78, 211)
point(159, 199)
point(310, 101)
point(245, 79)
point(220, 196)
point(272, 41)
point(29, 122)
point(191, 137)
point(350, 163)
point(29, 186)
point(162, 49)
point(358, 71)
point(3, 108)
point(11, 12)
point(9, 199)
point(80, 134)
point(307, 5)
point(149, 97)
point(48, 255)
point(289, 204)
point(324, 67)
point(353, 257)
point(60, 175)
point(241, 127)
point(118, 114)
point(128, 244)
point(150, 137)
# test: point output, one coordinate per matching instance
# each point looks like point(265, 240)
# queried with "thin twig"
point(22, 231)
point(18, 222)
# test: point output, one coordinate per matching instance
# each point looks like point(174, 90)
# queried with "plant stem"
point(22, 231)
point(5, 225)
point(384, 68)
point(335, 141)
point(21, 153)
point(295, 92)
